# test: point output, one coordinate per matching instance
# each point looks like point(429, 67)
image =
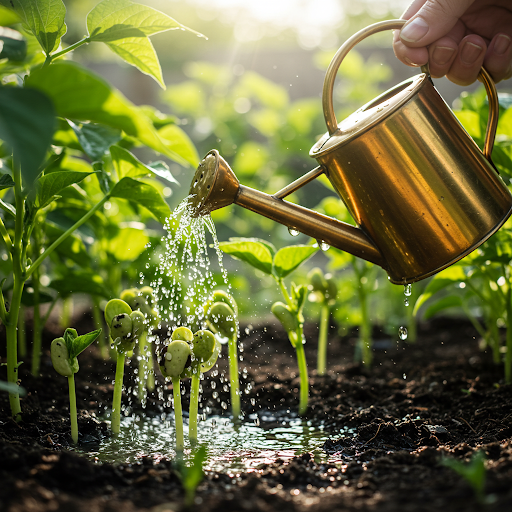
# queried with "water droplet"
point(402, 332)
point(293, 231)
point(406, 301)
point(407, 290)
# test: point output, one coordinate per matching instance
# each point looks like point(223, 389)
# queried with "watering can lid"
point(370, 115)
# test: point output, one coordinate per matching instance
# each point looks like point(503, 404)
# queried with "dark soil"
point(420, 403)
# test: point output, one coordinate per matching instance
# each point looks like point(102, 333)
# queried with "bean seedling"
point(125, 326)
point(222, 318)
point(279, 264)
point(323, 290)
point(64, 353)
point(187, 355)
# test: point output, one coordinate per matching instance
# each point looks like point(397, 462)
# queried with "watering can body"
point(422, 193)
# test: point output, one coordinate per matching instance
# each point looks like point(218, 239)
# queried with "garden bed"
point(440, 397)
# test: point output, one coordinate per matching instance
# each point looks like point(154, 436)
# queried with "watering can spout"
point(215, 185)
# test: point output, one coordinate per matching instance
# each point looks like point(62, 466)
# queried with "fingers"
point(498, 59)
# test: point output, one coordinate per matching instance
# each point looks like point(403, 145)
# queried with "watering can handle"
point(327, 104)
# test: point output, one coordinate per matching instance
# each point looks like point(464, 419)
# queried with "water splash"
point(402, 332)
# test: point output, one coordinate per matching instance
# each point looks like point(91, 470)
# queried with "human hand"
point(457, 38)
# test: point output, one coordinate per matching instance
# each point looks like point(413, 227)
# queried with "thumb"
point(431, 20)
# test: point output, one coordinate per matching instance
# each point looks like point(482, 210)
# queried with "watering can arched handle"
point(332, 70)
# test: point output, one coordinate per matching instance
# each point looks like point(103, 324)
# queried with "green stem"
point(323, 328)
point(178, 414)
point(194, 405)
point(54, 56)
point(66, 314)
point(115, 421)
point(64, 235)
point(233, 377)
point(22, 335)
point(37, 328)
point(18, 284)
point(143, 366)
point(284, 291)
point(72, 409)
point(303, 373)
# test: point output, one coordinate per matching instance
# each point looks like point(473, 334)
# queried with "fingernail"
point(442, 54)
point(470, 53)
point(414, 31)
point(501, 44)
point(411, 63)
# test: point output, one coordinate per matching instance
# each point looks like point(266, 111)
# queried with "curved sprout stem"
point(143, 365)
point(303, 374)
point(194, 405)
point(233, 377)
point(72, 409)
point(115, 421)
point(178, 414)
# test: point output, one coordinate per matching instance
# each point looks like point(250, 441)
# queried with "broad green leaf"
point(95, 139)
point(471, 122)
point(28, 297)
point(447, 277)
point(161, 169)
point(42, 18)
point(125, 26)
point(80, 343)
point(127, 164)
point(50, 185)
point(14, 46)
point(27, 122)
point(7, 16)
point(452, 301)
point(128, 244)
point(65, 136)
point(253, 252)
point(289, 258)
point(6, 181)
point(143, 194)
point(81, 95)
point(179, 142)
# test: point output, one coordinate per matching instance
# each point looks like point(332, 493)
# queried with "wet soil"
point(390, 429)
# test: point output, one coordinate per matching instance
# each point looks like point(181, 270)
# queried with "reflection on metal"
point(421, 191)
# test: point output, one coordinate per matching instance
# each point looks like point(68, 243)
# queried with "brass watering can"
point(420, 190)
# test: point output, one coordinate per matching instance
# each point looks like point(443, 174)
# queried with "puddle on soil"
point(262, 439)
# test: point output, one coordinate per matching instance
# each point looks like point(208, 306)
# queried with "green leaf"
point(251, 251)
point(161, 169)
point(125, 26)
point(79, 94)
point(144, 194)
point(50, 185)
point(14, 46)
point(11, 387)
point(452, 301)
point(289, 258)
point(28, 298)
point(447, 277)
point(80, 343)
point(127, 164)
point(95, 139)
point(42, 18)
point(27, 122)
point(8, 208)
point(179, 142)
point(6, 181)
point(128, 244)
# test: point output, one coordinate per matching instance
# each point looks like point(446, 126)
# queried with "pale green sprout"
point(187, 355)
point(222, 318)
point(126, 326)
point(64, 352)
point(143, 300)
point(323, 290)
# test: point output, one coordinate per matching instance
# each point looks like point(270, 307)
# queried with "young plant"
point(64, 353)
point(126, 326)
point(191, 476)
point(323, 290)
point(143, 300)
point(279, 264)
point(187, 355)
point(58, 109)
point(222, 318)
point(473, 472)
